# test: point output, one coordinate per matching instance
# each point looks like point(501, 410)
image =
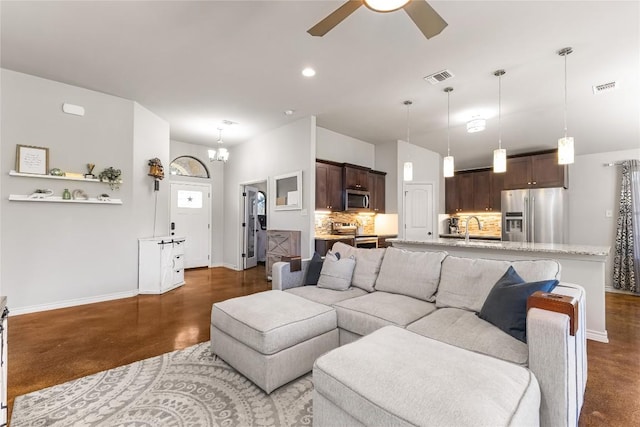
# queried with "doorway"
point(191, 219)
point(418, 211)
point(254, 224)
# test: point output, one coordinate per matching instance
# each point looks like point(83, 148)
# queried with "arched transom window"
point(189, 166)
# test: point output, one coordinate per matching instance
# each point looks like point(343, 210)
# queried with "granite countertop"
point(349, 236)
point(556, 248)
point(471, 236)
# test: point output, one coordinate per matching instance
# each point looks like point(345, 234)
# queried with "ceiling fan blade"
point(425, 17)
point(338, 15)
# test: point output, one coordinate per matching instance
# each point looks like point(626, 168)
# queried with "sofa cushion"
point(466, 282)
point(506, 305)
point(326, 296)
point(414, 274)
point(464, 329)
point(368, 262)
point(365, 314)
point(314, 268)
point(336, 272)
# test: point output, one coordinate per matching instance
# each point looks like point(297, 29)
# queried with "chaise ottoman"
point(394, 377)
point(272, 337)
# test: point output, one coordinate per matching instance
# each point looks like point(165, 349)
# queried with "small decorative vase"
point(66, 195)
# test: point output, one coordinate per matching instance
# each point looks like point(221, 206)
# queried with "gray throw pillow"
point(336, 272)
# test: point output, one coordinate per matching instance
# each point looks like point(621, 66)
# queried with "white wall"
point(150, 140)
point(344, 149)
point(386, 160)
point(594, 189)
point(216, 180)
point(64, 254)
point(289, 148)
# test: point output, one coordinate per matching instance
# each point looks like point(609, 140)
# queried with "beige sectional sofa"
point(438, 296)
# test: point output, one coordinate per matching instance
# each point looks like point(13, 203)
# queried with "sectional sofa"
point(439, 296)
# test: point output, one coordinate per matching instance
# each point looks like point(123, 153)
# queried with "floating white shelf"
point(32, 175)
point(58, 199)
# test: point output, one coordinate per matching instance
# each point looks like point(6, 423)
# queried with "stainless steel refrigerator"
point(535, 215)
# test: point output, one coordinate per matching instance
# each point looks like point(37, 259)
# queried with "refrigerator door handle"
point(533, 219)
point(525, 225)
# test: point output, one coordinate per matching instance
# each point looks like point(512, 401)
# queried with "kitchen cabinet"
point(487, 187)
point(160, 264)
point(376, 188)
point(540, 170)
point(329, 186)
point(281, 243)
point(355, 177)
point(325, 245)
point(459, 193)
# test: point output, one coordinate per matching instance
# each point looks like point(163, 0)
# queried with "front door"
point(418, 211)
point(190, 218)
point(250, 227)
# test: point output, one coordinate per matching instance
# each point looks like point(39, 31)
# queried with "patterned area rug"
point(188, 387)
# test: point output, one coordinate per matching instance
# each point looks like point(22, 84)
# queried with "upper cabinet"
point(356, 177)
point(473, 191)
point(459, 193)
point(329, 186)
point(535, 171)
point(377, 191)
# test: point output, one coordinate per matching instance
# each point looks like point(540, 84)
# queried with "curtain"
point(626, 263)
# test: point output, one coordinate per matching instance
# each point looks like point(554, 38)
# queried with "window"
point(189, 166)
point(189, 199)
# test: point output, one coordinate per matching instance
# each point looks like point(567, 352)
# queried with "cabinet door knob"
point(534, 182)
point(529, 183)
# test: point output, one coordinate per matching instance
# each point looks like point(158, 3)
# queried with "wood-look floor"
point(52, 347)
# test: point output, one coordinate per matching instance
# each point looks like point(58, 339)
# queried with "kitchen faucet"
point(466, 227)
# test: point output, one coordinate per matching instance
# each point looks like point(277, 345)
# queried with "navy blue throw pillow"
point(506, 305)
point(313, 271)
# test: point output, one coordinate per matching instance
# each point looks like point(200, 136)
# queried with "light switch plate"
point(608, 213)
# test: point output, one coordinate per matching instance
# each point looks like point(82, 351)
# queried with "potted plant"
point(111, 176)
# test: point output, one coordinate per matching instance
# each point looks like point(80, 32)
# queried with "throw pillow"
point(506, 305)
point(313, 270)
point(336, 272)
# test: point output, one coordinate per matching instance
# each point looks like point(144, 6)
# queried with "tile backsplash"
point(491, 224)
point(323, 221)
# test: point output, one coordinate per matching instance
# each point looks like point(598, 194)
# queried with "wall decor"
point(90, 174)
point(79, 195)
point(288, 191)
point(41, 194)
point(111, 176)
point(156, 170)
point(30, 159)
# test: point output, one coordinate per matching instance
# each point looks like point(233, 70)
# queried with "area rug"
point(187, 387)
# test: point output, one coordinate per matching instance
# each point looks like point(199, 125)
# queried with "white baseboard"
point(71, 303)
point(216, 264)
point(598, 336)
point(619, 291)
point(231, 267)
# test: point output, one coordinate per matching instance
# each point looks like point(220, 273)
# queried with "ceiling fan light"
point(476, 125)
point(499, 160)
point(385, 5)
point(565, 150)
point(447, 167)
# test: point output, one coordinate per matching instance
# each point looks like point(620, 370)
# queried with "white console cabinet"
point(160, 264)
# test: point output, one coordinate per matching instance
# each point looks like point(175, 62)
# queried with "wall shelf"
point(58, 199)
point(66, 178)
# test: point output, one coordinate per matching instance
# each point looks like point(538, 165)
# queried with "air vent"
point(606, 87)
point(438, 77)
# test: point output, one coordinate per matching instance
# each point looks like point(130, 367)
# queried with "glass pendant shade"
point(565, 150)
point(408, 171)
point(212, 155)
point(447, 166)
point(221, 155)
point(499, 160)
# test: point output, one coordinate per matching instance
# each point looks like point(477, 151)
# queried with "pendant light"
point(221, 154)
point(408, 166)
point(447, 164)
point(500, 154)
point(565, 144)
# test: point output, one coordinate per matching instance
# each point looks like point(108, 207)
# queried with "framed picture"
point(288, 191)
point(31, 159)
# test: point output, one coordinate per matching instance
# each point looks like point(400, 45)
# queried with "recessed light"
point(308, 72)
point(289, 112)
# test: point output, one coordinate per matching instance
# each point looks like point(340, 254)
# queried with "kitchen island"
point(582, 265)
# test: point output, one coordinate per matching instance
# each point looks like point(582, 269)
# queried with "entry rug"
point(187, 387)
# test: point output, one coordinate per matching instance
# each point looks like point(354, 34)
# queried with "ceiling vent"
point(438, 77)
point(606, 87)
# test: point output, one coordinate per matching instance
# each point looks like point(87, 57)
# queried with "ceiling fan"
point(420, 12)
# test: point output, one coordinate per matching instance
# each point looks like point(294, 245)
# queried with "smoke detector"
point(438, 77)
point(605, 87)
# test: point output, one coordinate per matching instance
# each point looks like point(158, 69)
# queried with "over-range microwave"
point(356, 200)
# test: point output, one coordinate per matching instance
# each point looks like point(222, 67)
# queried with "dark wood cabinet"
point(328, 186)
point(355, 177)
point(382, 241)
point(377, 191)
point(325, 245)
point(459, 193)
point(540, 170)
